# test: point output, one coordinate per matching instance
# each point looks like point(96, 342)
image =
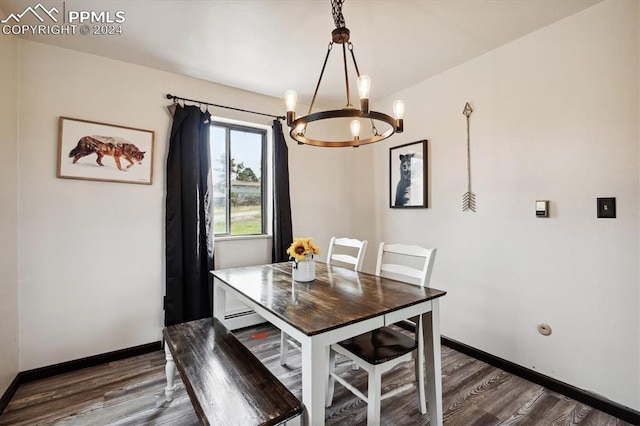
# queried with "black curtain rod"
point(178, 98)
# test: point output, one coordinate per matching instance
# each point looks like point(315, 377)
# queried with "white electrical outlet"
point(544, 329)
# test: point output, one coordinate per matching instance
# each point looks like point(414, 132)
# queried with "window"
point(238, 159)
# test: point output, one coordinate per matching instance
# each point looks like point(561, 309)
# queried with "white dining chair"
point(347, 251)
point(383, 349)
point(341, 251)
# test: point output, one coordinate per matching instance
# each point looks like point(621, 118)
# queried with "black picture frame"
point(408, 166)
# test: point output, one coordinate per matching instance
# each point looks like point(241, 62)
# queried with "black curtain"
point(282, 228)
point(189, 239)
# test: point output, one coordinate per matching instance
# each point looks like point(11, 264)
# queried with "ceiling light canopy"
point(349, 116)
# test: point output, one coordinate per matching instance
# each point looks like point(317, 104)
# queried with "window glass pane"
point(219, 178)
point(246, 182)
point(237, 158)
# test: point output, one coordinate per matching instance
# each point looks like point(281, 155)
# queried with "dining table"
point(338, 304)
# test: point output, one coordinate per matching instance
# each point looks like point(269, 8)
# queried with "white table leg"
point(431, 333)
point(170, 371)
point(373, 394)
point(315, 362)
point(219, 301)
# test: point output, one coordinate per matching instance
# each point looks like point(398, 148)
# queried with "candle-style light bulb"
point(355, 129)
point(398, 109)
point(364, 87)
point(355, 132)
point(398, 112)
point(290, 99)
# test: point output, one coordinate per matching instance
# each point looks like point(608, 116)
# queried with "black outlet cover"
point(607, 208)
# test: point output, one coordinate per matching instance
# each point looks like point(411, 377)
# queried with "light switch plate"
point(607, 208)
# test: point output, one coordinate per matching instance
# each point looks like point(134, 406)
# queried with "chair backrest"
point(351, 245)
point(400, 261)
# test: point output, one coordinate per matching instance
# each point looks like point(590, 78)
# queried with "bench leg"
point(296, 421)
point(170, 371)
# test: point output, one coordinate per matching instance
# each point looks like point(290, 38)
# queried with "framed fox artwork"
point(98, 151)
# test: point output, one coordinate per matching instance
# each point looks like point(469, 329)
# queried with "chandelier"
point(300, 126)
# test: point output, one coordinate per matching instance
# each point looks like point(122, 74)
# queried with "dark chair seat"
point(380, 345)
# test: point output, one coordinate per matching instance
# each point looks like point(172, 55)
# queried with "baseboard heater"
point(242, 319)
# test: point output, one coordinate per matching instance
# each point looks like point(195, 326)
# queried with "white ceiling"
point(269, 46)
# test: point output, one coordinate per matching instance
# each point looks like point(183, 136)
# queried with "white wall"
point(8, 210)
point(91, 258)
point(319, 193)
point(556, 117)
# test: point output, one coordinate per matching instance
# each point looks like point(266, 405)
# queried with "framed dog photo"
point(98, 151)
point(408, 175)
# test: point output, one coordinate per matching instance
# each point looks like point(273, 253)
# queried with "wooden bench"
point(226, 383)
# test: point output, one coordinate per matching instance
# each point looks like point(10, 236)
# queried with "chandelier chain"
point(353, 56)
point(336, 11)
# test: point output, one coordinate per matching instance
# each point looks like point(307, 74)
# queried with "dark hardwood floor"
point(131, 392)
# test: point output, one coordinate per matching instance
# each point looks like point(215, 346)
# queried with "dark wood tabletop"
point(337, 297)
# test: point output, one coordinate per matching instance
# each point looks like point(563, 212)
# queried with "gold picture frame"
point(90, 150)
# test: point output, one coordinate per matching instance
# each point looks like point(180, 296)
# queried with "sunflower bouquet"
point(301, 248)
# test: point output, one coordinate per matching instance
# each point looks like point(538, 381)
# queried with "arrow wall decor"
point(469, 198)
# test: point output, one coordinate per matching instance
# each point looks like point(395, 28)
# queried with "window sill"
point(242, 237)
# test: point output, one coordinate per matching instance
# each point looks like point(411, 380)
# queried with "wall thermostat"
point(542, 208)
